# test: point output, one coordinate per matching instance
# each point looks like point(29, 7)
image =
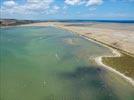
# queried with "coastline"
point(116, 37)
point(115, 53)
point(98, 60)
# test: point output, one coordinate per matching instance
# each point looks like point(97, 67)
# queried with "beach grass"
point(124, 64)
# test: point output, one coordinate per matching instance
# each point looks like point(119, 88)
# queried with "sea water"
point(46, 63)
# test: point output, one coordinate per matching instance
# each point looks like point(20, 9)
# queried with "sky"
point(67, 9)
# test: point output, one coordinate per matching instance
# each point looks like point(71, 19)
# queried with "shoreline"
point(95, 40)
point(98, 59)
point(115, 53)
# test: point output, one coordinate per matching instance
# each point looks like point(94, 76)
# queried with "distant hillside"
point(11, 22)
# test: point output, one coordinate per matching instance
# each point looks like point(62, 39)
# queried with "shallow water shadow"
point(88, 83)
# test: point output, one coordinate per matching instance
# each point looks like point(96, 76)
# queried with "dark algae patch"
point(124, 64)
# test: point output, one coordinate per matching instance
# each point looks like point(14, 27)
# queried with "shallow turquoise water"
point(46, 63)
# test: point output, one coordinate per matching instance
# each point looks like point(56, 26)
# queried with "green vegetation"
point(124, 64)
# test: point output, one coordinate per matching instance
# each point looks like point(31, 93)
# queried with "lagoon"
point(47, 63)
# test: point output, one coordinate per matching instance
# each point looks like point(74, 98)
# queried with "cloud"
point(72, 2)
point(37, 8)
point(38, 5)
point(94, 2)
point(31, 7)
point(9, 3)
point(85, 2)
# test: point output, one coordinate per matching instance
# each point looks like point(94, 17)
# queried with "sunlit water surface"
point(46, 63)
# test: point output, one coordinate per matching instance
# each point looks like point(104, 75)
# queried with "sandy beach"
point(119, 36)
point(115, 53)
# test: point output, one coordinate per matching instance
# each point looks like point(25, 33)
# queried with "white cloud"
point(91, 2)
point(10, 3)
point(31, 7)
point(94, 2)
point(53, 10)
point(40, 1)
point(38, 4)
point(56, 7)
point(72, 2)
point(86, 2)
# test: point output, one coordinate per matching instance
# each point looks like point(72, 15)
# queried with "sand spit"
point(99, 62)
point(115, 53)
